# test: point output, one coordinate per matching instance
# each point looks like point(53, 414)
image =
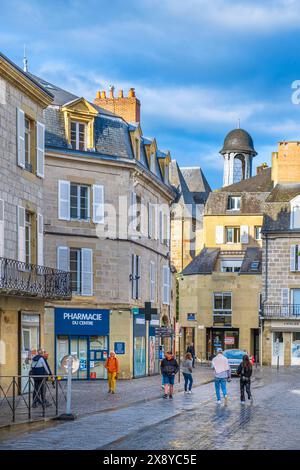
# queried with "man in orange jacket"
point(112, 366)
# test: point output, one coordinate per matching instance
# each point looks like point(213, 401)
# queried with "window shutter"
point(285, 300)
point(21, 234)
point(40, 240)
point(296, 217)
point(244, 234)
point(168, 229)
point(166, 285)
point(40, 149)
point(219, 234)
point(21, 138)
point(152, 281)
point(144, 217)
point(86, 271)
point(155, 222)
point(98, 204)
point(138, 275)
point(1, 228)
point(133, 275)
point(150, 221)
point(293, 258)
point(64, 200)
point(161, 227)
point(134, 211)
point(63, 258)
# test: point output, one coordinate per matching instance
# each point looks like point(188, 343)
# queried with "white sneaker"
point(243, 402)
point(218, 402)
point(189, 392)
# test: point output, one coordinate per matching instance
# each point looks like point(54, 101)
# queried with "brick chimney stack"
point(261, 168)
point(129, 108)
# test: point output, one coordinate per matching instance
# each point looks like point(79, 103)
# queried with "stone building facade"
point(107, 221)
point(280, 277)
point(23, 287)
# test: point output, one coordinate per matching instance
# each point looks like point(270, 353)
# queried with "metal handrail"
point(18, 278)
point(281, 311)
point(25, 398)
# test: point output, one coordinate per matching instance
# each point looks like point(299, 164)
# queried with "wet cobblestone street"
point(188, 422)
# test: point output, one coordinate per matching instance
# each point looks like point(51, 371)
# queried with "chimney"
point(261, 168)
point(129, 108)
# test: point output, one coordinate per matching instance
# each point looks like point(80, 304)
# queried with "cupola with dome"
point(238, 152)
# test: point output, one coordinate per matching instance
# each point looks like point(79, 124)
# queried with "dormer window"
point(234, 203)
point(137, 148)
point(78, 135)
point(166, 178)
point(295, 213)
point(152, 162)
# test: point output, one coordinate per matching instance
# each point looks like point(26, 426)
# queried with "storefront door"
point(30, 343)
point(295, 349)
point(277, 348)
point(139, 346)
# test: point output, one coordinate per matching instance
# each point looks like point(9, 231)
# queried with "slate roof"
point(197, 183)
point(278, 210)
point(204, 263)
point(253, 191)
point(253, 254)
point(26, 74)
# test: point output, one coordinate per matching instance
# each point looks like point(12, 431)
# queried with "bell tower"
point(238, 152)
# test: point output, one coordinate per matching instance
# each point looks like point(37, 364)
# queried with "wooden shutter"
point(161, 226)
point(86, 271)
point(152, 281)
point(219, 234)
point(40, 240)
point(64, 200)
point(166, 285)
point(63, 258)
point(168, 229)
point(293, 258)
point(98, 204)
point(150, 221)
point(21, 138)
point(244, 234)
point(144, 218)
point(133, 275)
point(40, 149)
point(1, 228)
point(21, 234)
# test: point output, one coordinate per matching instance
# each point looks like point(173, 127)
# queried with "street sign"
point(164, 331)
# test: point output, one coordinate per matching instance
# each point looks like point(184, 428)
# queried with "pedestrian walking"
point(222, 374)
point(169, 368)
point(113, 369)
point(187, 372)
point(191, 350)
point(245, 372)
point(40, 371)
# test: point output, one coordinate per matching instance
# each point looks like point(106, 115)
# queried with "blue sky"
point(197, 65)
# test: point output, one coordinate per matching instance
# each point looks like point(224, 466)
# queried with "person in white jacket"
point(222, 374)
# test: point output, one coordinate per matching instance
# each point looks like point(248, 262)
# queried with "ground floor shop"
point(208, 339)
point(91, 333)
point(21, 335)
point(281, 343)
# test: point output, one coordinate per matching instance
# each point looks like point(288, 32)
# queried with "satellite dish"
point(75, 363)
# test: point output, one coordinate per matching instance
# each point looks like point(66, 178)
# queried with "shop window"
point(78, 135)
point(233, 234)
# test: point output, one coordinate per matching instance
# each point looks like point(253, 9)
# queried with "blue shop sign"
point(81, 321)
point(191, 316)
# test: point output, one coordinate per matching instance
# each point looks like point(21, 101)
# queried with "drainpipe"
point(265, 298)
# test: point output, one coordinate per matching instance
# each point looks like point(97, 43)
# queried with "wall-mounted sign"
point(191, 316)
point(135, 310)
point(119, 347)
point(81, 321)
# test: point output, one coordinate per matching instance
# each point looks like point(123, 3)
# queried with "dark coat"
point(40, 366)
point(244, 371)
point(191, 349)
point(169, 367)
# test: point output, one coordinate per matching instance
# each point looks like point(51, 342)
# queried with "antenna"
point(25, 61)
point(239, 123)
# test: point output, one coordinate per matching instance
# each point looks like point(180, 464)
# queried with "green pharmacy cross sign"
point(148, 311)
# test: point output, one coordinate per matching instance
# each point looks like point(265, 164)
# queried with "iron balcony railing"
point(281, 311)
point(22, 279)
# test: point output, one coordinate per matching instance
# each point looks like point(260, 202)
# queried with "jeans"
point(220, 383)
point(188, 381)
point(244, 385)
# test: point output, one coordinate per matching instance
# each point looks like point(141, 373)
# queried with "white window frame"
point(79, 186)
point(77, 123)
point(231, 263)
point(233, 228)
point(295, 206)
point(222, 311)
point(257, 227)
point(237, 203)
